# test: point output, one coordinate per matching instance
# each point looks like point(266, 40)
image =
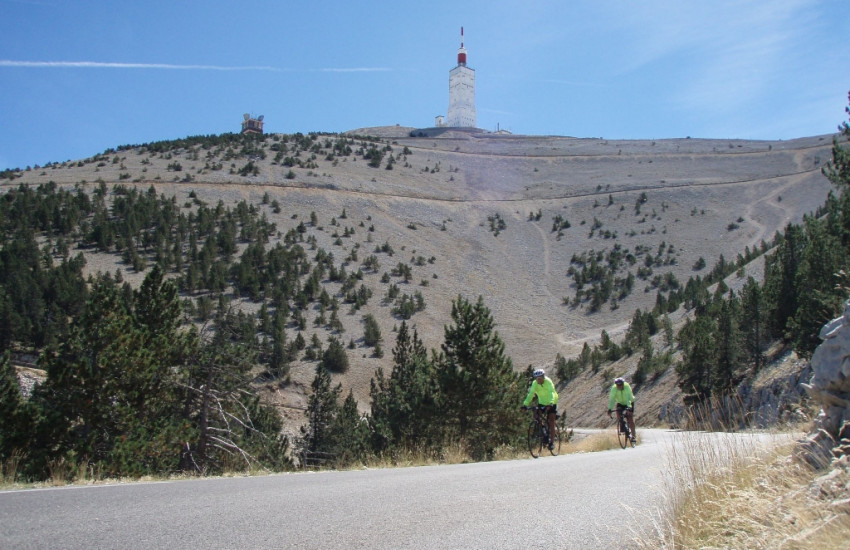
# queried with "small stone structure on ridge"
point(252, 125)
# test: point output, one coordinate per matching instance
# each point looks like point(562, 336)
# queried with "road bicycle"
point(538, 433)
point(624, 434)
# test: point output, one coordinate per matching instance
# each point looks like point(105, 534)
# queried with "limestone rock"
point(830, 388)
point(831, 359)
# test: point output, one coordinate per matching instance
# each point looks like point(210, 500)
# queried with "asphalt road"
point(590, 500)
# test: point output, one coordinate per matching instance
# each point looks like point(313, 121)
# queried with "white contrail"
point(102, 65)
point(355, 70)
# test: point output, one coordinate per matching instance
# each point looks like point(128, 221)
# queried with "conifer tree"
point(819, 300)
point(694, 370)
point(780, 282)
point(727, 348)
point(752, 322)
point(404, 405)
point(15, 415)
point(317, 439)
point(838, 170)
point(226, 415)
point(479, 388)
point(382, 416)
point(334, 357)
point(109, 394)
point(349, 433)
point(371, 331)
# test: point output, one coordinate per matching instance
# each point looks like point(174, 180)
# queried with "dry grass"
point(403, 458)
point(594, 443)
point(458, 454)
point(9, 469)
point(745, 494)
point(63, 472)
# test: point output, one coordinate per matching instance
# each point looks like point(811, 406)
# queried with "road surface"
point(590, 500)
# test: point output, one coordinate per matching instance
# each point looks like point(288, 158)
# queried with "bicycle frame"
point(624, 433)
point(538, 433)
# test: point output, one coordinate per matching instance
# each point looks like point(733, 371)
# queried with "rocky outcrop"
point(775, 397)
point(830, 388)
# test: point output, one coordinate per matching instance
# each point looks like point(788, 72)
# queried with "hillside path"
point(591, 500)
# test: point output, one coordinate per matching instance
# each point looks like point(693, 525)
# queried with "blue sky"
point(80, 76)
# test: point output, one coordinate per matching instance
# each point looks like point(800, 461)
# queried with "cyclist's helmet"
point(538, 373)
point(619, 380)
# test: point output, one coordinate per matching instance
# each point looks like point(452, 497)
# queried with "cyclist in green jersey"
point(547, 396)
point(621, 395)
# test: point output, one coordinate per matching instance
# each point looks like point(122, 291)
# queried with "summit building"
point(461, 92)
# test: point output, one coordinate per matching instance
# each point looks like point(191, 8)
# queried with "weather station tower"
point(461, 92)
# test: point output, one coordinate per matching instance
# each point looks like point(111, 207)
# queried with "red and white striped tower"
point(461, 92)
point(461, 53)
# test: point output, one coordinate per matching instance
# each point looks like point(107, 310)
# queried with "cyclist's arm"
point(611, 399)
point(554, 394)
point(530, 395)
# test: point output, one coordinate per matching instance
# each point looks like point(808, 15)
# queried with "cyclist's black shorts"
point(621, 407)
point(553, 409)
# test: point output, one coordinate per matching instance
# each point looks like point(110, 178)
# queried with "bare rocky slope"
point(472, 213)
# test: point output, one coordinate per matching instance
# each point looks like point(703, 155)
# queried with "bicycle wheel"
point(631, 435)
point(556, 442)
point(622, 433)
point(535, 439)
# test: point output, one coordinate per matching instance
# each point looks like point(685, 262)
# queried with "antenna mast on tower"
point(461, 53)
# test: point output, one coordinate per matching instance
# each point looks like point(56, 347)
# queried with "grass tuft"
point(9, 468)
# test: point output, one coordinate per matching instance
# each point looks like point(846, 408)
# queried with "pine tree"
point(819, 300)
point(317, 442)
point(477, 381)
point(752, 322)
point(371, 331)
point(15, 415)
point(225, 414)
point(109, 394)
point(780, 283)
point(334, 358)
point(382, 416)
point(282, 352)
point(404, 405)
point(694, 370)
point(838, 170)
point(349, 433)
point(727, 354)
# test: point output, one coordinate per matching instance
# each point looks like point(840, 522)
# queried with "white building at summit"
point(461, 92)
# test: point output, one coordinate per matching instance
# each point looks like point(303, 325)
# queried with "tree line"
point(464, 395)
point(131, 391)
